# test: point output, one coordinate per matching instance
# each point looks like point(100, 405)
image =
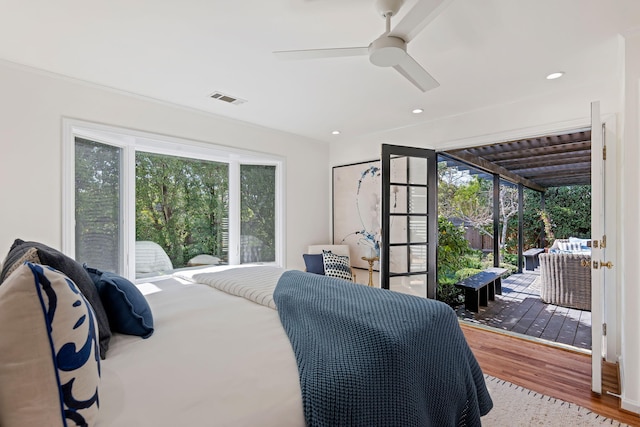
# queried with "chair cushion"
point(127, 309)
point(337, 266)
point(73, 270)
point(314, 263)
point(49, 354)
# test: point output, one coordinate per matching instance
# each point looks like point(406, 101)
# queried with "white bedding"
point(214, 360)
point(255, 284)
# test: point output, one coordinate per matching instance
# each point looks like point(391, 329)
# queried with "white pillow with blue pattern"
point(49, 354)
point(336, 266)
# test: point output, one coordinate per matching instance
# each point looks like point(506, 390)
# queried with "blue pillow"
point(314, 263)
point(127, 309)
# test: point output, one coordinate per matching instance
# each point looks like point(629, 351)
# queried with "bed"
point(214, 359)
point(221, 354)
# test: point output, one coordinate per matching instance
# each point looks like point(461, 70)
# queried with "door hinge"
point(604, 152)
point(604, 329)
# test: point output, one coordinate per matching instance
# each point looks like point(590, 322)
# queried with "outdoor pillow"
point(126, 307)
point(314, 263)
point(49, 355)
point(59, 261)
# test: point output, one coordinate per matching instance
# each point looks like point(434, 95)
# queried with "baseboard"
point(630, 406)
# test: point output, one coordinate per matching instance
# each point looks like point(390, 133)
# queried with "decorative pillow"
point(61, 262)
point(49, 355)
point(336, 266)
point(16, 260)
point(314, 263)
point(126, 307)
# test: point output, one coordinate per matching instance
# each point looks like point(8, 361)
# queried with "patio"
point(520, 310)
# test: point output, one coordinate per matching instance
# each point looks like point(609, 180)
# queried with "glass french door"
point(604, 310)
point(409, 220)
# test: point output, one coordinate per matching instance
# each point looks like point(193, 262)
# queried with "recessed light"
point(417, 110)
point(555, 75)
point(335, 132)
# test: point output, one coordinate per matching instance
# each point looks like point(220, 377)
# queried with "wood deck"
point(520, 310)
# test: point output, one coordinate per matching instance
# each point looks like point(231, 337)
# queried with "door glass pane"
point(418, 258)
point(398, 229)
point(399, 199)
point(398, 259)
point(418, 229)
point(418, 199)
point(412, 285)
point(182, 208)
point(398, 170)
point(417, 170)
point(97, 210)
point(258, 220)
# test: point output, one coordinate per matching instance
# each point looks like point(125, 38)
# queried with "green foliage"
point(182, 205)
point(454, 254)
point(466, 272)
point(452, 248)
point(570, 210)
point(258, 184)
point(567, 213)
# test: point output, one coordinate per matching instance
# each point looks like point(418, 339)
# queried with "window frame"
point(131, 141)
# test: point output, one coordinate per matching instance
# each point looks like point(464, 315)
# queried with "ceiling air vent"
point(227, 98)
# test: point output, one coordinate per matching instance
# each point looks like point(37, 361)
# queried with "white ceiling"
point(483, 53)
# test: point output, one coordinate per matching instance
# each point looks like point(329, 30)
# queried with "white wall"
point(32, 105)
point(548, 113)
point(630, 236)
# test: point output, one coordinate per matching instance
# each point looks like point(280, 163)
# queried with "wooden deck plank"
point(520, 310)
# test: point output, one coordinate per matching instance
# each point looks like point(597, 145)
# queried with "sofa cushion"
point(49, 355)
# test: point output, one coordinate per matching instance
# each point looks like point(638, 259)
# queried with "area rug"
point(515, 406)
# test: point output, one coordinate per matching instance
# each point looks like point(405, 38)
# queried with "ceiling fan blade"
point(417, 75)
point(321, 53)
point(417, 18)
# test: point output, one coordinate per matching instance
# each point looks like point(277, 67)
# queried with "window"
point(97, 195)
point(141, 204)
point(257, 241)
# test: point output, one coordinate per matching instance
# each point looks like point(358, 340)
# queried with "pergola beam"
point(495, 169)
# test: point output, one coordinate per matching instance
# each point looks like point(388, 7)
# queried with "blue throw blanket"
point(372, 357)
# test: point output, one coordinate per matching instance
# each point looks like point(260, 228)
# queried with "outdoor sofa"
point(565, 274)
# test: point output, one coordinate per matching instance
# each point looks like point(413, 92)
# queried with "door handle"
point(600, 264)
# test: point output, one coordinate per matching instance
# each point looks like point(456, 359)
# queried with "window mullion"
point(234, 212)
point(128, 211)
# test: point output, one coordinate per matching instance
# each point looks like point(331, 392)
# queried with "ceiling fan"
point(390, 49)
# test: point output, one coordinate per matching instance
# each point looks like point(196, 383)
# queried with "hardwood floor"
point(556, 372)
